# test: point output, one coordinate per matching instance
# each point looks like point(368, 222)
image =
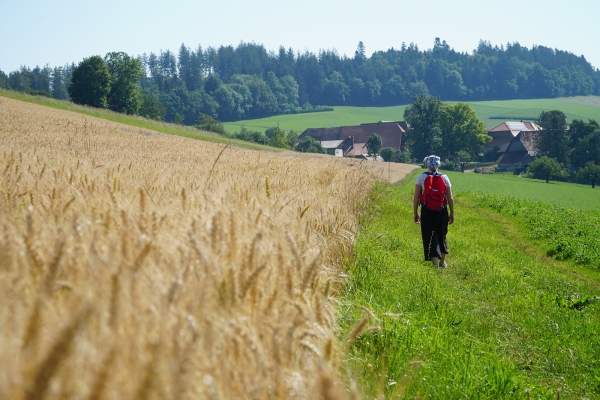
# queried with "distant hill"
point(492, 113)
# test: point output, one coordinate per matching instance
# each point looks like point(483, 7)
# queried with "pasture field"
point(492, 113)
point(564, 194)
point(504, 320)
point(137, 265)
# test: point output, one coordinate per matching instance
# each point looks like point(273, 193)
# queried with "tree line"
point(231, 83)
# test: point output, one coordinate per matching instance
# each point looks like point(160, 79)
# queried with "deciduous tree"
point(546, 168)
point(90, 83)
point(279, 139)
point(374, 145)
point(423, 116)
point(125, 94)
point(207, 123)
point(309, 145)
point(152, 108)
point(388, 153)
point(591, 172)
point(552, 140)
point(461, 130)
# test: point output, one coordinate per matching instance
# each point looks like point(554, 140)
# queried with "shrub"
point(450, 165)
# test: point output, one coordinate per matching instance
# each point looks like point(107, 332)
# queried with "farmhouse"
point(351, 140)
point(519, 153)
point(504, 133)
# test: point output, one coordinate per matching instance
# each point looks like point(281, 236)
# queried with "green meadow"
point(507, 319)
point(562, 194)
point(492, 113)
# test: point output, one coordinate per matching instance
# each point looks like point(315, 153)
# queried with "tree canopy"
point(90, 83)
point(424, 134)
point(125, 71)
point(254, 81)
point(374, 145)
point(545, 167)
point(552, 140)
point(309, 145)
point(591, 172)
point(461, 130)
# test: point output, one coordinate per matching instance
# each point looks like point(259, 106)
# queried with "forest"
point(248, 81)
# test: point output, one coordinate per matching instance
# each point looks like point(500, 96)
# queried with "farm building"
point(351, 140)
point(504, 133)
point(519, 153)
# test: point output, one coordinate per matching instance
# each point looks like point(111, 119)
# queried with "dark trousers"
point(434, 227)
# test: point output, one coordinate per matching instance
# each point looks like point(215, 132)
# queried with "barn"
point(351, 140)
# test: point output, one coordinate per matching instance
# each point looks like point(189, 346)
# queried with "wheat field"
point(136, 265)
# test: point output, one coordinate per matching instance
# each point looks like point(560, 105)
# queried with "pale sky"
point(58, 32)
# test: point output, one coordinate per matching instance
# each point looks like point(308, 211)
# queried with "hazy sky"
point(37, 32)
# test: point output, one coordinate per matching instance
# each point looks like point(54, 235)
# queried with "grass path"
point(495, 324)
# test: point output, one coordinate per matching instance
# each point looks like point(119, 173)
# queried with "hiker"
point(434, 217)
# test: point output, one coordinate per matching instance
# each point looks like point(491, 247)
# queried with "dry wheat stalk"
point(208, 261)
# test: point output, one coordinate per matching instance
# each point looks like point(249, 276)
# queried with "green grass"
point(340, 116)
point(492, 113)
point(133, 120)
point(563, 194)
point(500, 321)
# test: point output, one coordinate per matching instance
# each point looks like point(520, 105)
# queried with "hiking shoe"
point(444, 264)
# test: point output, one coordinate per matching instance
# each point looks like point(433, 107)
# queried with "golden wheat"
point(139, 265)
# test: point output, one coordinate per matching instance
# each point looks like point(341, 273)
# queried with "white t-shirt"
point(421, 179)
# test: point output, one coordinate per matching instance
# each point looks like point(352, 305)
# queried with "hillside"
point(136, 264)
point(492, 113)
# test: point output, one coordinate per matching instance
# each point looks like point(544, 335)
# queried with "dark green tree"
point(374, 145)
point(125, 94)
point(279, 139)
point(3, 80)
point(461, 130)
point(336, 91)
point(59, 84)
point(552, 140)
point(309, 145)
point(591, 172)
point(207, 123)
point(388, 154)
point(21, 80)
point(462, 157)
point(585, 141)
point(292, 136)
point(545, 168)
point(579, 129)
point(90, 83)
point(152, 108)
point(250, 136)
point(424, 134)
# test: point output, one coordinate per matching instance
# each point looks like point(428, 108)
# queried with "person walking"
point(434, 219)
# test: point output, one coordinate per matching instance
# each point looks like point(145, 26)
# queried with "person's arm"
point(416, 200)
point(450, 200)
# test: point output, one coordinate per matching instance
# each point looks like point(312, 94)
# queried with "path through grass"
point(501, 321)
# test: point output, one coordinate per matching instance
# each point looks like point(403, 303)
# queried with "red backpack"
point(434, 193)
